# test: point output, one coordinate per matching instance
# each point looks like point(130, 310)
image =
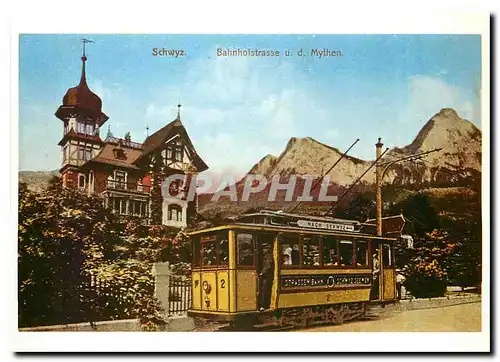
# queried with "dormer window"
point(119, 153)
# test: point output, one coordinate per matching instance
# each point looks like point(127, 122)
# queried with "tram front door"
point(384, 272)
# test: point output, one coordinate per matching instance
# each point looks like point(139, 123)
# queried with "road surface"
point(457, 318)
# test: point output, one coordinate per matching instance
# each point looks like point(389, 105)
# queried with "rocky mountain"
point(37, 180)
point(264, 166)
point(460, 156)
point(456, 164)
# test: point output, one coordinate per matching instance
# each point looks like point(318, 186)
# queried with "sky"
point(239, 109)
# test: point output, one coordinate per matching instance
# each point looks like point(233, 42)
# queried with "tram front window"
point(310, 251)
point(361, 253)
point(245, 248)
point(290, 252)
point(346, 252)
point(208, 252)
point(223, 250)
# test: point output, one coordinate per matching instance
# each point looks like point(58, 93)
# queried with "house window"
point(91, 181)
point(65, 153)
point(120, 180)
point(175, 213)
point(84, 153)
point(81, 181)
point(169, 152)
point(178, 150)
point(123, 206)
point(178, 154)
point(80, 127)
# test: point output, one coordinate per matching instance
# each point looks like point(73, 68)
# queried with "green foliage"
point(428, 265)
point(360, 207)
point(420, 213)
point(79, 262)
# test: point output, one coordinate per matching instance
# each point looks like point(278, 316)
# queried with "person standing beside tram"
point(266, 276)
point(376, 275)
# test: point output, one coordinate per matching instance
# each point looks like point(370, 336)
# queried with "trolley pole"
point(378, 182)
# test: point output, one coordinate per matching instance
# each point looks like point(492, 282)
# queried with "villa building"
point(126, 174)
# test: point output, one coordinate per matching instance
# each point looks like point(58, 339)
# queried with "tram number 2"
point(222, 283)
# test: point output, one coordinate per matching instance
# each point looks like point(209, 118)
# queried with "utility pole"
point(380, 173)
point(378, 182)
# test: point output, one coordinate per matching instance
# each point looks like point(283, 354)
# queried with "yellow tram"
point(323, 270)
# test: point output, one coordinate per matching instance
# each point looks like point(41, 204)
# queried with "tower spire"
point(83, 79)
point(110, 134)
point(179, 111)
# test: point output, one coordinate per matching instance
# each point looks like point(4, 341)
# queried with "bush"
point(425, 279)
point(79, 262)
point(428, 265)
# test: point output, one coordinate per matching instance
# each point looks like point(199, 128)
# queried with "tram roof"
point(287, 215)
point(278, 228)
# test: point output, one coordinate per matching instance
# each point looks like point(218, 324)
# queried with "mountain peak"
point(448, 112)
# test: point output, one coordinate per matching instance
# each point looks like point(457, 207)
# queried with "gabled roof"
point(107, 156)
point(158, 138)
point(79, 136)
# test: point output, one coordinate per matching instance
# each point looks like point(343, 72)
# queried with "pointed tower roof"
point(81, 95)
point(81, 99)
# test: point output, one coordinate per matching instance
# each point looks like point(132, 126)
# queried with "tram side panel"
point(389, 284)
point(223, 286)
point(209, 290)
point(323, 287)
point(196, 290)
point(246, 287)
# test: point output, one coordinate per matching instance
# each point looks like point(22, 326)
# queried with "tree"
point(428, 265)
point(79, 262)
point(359, 208)
point(420, 213)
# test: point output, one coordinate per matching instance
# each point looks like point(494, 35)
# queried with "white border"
point(259, 18)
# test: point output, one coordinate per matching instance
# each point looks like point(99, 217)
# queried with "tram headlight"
point(207, 287)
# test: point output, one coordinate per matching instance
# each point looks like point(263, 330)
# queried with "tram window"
point(290, 252)
point(245, 248)
point(330, 251)
point(346, 251)
point(223, 249)
point(196, 252)
point(386, 255)
point(361, 253)
point(208, 252)
point(310, 251)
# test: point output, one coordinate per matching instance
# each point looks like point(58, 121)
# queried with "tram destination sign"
point(334, 281)
point(324, 225)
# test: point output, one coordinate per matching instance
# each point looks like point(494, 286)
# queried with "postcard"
point(253, 182)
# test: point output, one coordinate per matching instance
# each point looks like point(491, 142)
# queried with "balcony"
point(127, 186)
